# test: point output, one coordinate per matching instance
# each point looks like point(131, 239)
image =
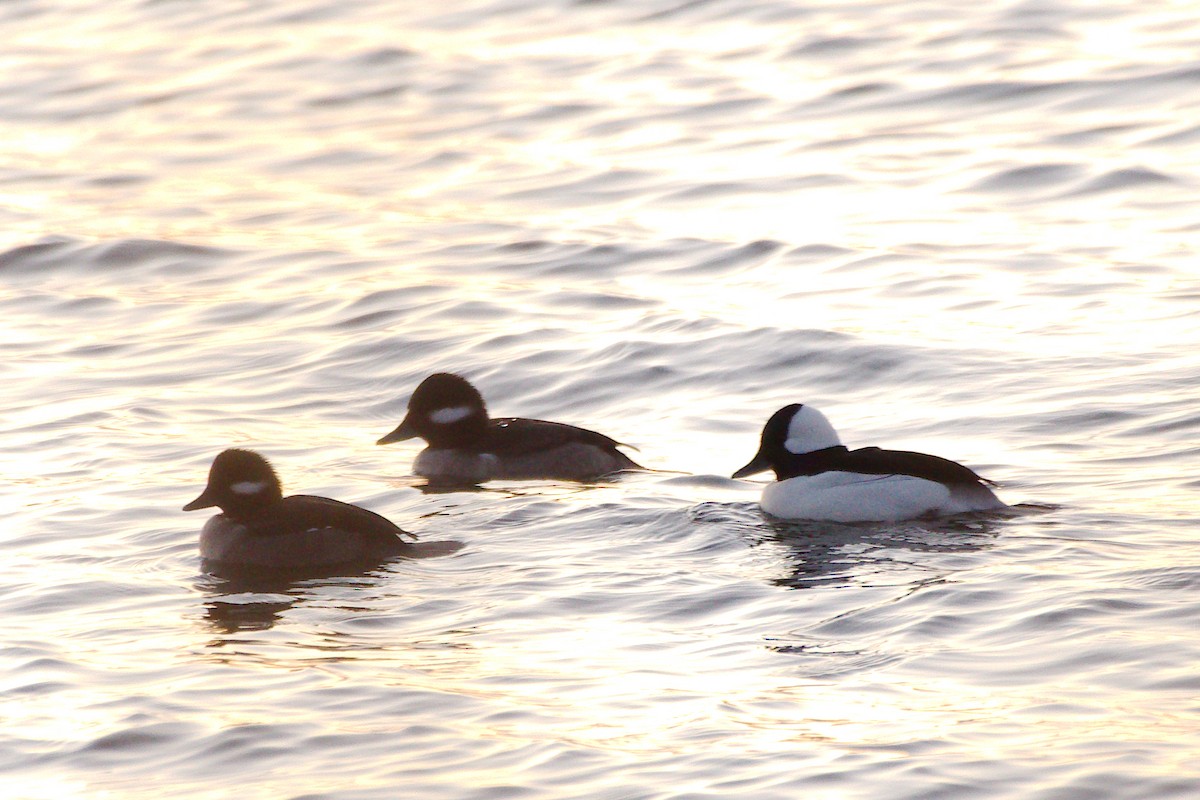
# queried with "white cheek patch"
point(797, 446)
point(809, 431)
point(445, 416)
point(248, 487)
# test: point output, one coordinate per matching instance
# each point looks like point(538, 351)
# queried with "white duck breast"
point(854, 497)
point(228, 542)
point(461, 465)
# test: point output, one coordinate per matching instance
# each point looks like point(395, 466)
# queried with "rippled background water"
point(967, 229)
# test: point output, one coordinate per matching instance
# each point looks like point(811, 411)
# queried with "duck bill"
point(205, 500)
point(757, 464)
point(402, 433)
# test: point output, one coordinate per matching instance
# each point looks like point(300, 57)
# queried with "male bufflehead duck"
point(817, 477)
point(259, 527)
point(467, 447)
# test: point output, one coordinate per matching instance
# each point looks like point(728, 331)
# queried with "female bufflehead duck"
point(259, 527)
point(466, 447)
point(818, 478)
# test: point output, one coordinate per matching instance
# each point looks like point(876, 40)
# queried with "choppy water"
point(963, 229)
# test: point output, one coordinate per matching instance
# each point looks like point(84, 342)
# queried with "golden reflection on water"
point(540, 689)
point(46, 786)
point(411, 177)
point(267, 185)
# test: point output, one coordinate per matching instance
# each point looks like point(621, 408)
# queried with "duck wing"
point(302, 512)
point(516, 436)
point(877, 461)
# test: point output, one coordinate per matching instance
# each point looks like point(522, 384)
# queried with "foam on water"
point(967, 231)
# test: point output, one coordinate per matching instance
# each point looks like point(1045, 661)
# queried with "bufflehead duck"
point(467, 447)
point(259, 527)
point(817, 477)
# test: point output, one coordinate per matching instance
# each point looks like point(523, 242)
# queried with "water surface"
point(968, 231)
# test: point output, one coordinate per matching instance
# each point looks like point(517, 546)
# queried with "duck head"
point(240, 482)
point(445, 410)
point(791, 431)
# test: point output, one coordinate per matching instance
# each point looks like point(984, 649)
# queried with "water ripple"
point(262, 226)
